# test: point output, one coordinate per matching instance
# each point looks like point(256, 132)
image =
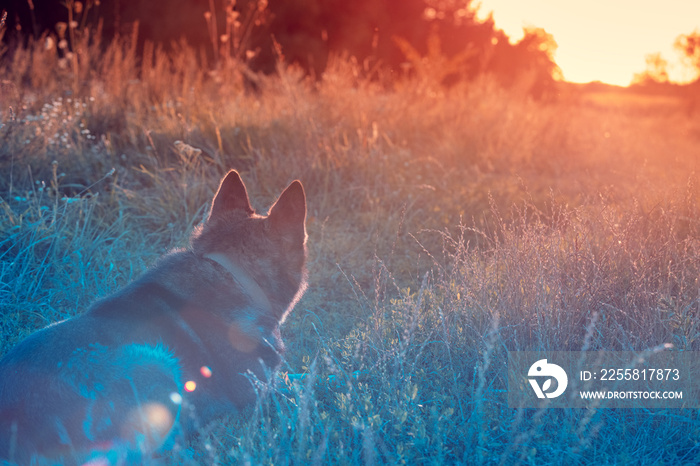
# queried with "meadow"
point(447, 226)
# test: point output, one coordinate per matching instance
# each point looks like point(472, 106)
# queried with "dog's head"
point(271, 249)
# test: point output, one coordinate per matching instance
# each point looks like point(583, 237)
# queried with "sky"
point(603, 40)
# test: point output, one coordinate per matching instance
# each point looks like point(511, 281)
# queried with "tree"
point(689, 46)
point(529, 63)
point(655, 72)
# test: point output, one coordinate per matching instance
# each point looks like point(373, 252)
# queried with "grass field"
point(446, 228)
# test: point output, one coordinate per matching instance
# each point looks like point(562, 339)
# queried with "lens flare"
point(150, 422)
point(190, 385)
point(240, 340)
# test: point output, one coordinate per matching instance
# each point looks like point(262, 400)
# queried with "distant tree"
point(529, 63)
point(655, 72)
point(689, 46)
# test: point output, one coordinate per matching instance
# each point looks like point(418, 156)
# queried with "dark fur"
point(108, 382)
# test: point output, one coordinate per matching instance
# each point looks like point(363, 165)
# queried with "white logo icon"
point(543, 369)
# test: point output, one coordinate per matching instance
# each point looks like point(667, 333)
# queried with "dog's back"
point(167, 353)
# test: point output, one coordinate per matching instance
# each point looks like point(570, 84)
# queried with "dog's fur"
point(167, 353)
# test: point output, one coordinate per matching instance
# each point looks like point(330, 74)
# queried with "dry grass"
point(446, 227)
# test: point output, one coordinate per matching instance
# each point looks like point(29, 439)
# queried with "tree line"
point(444, 37)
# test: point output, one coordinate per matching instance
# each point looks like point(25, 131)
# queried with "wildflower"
point(186, 149)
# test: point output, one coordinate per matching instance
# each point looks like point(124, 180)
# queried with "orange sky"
point(603, 40)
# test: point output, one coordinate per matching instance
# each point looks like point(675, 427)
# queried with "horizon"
point(622, 42)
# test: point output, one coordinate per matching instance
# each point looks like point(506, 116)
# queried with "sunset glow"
point(601, 40)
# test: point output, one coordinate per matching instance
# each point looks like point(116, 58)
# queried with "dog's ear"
point(231, 195)
point(288, 214)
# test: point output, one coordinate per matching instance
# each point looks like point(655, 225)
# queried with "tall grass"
point(446, 227)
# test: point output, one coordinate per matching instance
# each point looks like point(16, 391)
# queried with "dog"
point(176, 348)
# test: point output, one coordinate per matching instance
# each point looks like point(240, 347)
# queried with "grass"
point(446, 227)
